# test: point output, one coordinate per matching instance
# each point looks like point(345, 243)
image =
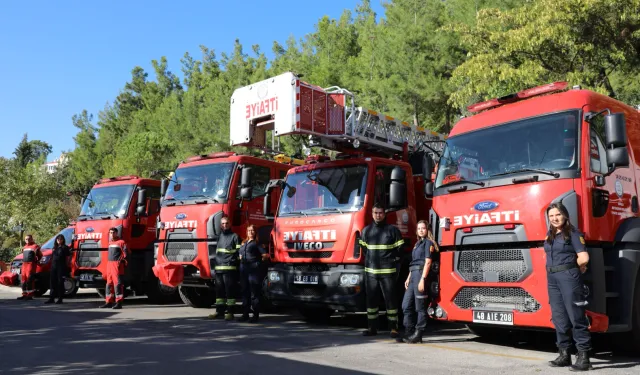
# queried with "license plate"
point(15, 270)
point(86, 277)
point(305, 279)
point(493, 317)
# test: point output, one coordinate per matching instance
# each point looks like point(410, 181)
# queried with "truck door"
point(251, 212)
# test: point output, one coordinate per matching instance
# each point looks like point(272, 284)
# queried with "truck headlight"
point(274, 276)
point(349, 279)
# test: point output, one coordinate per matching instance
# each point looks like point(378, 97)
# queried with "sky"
point(60, 57)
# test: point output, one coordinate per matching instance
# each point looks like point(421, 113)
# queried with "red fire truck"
point(325, 204)
point(202, 190)
point(500, 170)
point(131, 204)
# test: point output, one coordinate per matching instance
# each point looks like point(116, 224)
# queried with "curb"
point(10, 289)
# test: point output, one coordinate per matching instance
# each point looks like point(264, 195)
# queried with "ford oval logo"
point(181, 216)
point(89, 229)
point(485, 206)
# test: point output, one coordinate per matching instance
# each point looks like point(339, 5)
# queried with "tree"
point(29, 151)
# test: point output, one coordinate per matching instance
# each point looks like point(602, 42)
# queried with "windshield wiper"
point(459, 182)
point(536, 170)
point(327, 209)
point(105, 213)
point(296, 213)
point(203, 196)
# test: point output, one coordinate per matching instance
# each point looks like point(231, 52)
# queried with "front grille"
point(310, 254)
point(180, 251)
point(306, 291)
point(89, 258)
point(496, 298)
point(16, 264)
point(505, 266)
point(314, 267)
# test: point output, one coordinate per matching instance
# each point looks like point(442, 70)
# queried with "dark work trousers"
point(56, 281)
point(373, 285)
point(251, 287)
point(413, 304)
point(226, 285)
point(566, 297)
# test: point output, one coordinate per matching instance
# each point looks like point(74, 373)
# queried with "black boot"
point(402, 338)
point(255, 318)
point(117, 306)
point(582, 362)
point(370, 332)
point(416, 337)
point(563, 360)
point(106, 305)
point(244, 318)
point(50, 300)
point(21, 297)
point(59, 301)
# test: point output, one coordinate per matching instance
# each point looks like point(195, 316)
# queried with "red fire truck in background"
point(202, 190)
point(131, 204)
point(325, 204)
point(500, 170)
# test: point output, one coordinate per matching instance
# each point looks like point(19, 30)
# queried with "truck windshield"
point(66, 232)
point(108, 200)
point(545, 143)
point(324, 190)
point(202, 181)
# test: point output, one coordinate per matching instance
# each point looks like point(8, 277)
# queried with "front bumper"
point(327, 293)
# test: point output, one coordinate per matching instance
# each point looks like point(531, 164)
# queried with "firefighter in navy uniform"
point(226, 271)
point(567, 259)
point(381, 243)
point(31, 255)
point(413, 302)
point(251, 257)
point(116, 265)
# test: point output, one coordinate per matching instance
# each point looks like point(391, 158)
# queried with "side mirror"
point(397, 189)
point(81, 202)
point(163, 187)
point(427, 167)
point(615, 131)
point(246, 190)
point(142, 202)
point(429, 188)
point(291, 192)
point(266, 206)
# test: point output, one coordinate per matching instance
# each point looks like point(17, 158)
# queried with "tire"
point(101, 292)
point(265, 304)
point(635, 319)
point(70, 287)
point(199, 298)
point(161, 294)
point(316, 315)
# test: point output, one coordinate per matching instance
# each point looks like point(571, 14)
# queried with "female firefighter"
point(567, 260)
point(60, 258)
point(413, 302)
point(251, 257)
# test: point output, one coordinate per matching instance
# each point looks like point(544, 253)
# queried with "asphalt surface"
point(78, 338)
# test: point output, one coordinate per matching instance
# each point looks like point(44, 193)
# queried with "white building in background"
point(51, 167)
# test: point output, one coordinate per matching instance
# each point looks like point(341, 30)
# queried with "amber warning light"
point(524, 94)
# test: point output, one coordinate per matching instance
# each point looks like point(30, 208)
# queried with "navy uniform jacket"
point(564, 251)
point(251, 251)
point(420, 252)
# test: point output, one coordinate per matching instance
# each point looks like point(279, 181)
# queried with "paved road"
point(78, 338)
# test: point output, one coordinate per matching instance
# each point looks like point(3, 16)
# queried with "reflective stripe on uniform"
point(392, 318)
point(238, 246)
point(223, 268)
point(220, 301)
point(382, 247)
point(371, 317)
point(372, 310)
point(231, 302)
point(392, 312)
point(226, 251)
point(381, 271)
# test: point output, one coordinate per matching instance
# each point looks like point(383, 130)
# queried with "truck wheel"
point(316, 315)
point(265, 304)
point(635, 319)
point(158, 293)
point(196, 297)
point(70, 287)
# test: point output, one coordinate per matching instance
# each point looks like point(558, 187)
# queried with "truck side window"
point(383, 180)
point(282, 174)
point(597, 151)
point(153, 194)
point(260, 177)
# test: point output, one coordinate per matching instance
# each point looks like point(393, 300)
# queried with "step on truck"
point(499, 171)
point(130, 204)
point(202, 190)
point(13, 276)
point(317, 264)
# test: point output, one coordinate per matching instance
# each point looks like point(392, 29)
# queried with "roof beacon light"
point(524, 94)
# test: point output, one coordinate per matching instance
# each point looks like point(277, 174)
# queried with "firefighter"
point(381, 243)
point(251, 257)
point(567, 260)
point(116, 265)
point(226, 271)
point(31, 255)
point(59, 257)
point(414, 298)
